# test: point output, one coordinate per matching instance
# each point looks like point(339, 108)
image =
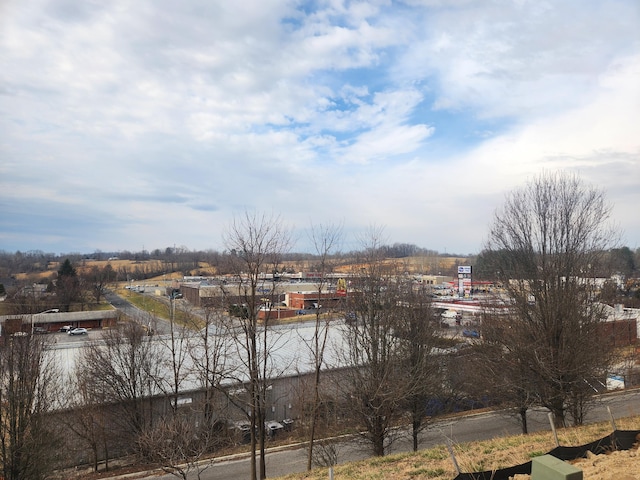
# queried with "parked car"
point(78, 331)
point(66, 328)
point(470, 333)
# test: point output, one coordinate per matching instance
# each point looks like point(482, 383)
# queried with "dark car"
point(471, 333)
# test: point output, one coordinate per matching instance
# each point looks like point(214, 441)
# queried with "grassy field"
point(157, 307)
point(436, 464)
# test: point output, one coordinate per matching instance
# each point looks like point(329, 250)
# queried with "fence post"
point(453, 457)
point(613, 420)
point(553, 428)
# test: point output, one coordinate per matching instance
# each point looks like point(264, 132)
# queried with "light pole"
point(172, 307)
point(51, 310)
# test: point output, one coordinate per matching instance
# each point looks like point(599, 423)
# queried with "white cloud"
point(520, 59)
point(152, 122)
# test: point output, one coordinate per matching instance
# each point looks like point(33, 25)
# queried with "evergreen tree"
point(67, 285)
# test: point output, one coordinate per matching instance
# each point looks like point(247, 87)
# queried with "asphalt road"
point(460, 430)
point(160, 325)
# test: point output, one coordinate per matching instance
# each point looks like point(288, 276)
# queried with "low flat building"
point(53, 321)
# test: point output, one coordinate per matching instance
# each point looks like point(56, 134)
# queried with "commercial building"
point(52, 321)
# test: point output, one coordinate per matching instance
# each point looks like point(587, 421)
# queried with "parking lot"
point(63, 338)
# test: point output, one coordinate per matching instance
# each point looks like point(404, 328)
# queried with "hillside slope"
point(436, 463)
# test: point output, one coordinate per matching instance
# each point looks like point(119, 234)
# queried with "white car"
point(78, 331)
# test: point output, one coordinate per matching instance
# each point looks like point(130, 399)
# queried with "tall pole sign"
point(464, 276)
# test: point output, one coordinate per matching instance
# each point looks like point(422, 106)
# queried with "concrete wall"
point(286, 399)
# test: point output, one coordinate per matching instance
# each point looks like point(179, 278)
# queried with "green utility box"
point(548, 467)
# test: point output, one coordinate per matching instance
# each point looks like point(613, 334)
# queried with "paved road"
point(160, 325)
point(464, 429)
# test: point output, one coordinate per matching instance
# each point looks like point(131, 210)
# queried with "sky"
point(131, 125)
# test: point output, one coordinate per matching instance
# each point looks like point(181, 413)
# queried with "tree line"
point(545, 348)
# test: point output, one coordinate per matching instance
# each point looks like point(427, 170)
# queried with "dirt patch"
point(619, 465)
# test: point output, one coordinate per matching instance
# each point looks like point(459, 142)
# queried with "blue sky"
point(129, 125)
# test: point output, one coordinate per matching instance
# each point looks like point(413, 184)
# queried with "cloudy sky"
point(151, 123)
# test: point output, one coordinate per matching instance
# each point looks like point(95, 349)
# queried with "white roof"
point(288, 345)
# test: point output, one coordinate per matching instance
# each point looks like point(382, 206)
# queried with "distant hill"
point(428, 265)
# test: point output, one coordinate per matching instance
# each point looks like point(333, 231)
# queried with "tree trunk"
point(523, 420)
point(254, 473)
point(558, 415)
point(262, 430)
point(94, 451)
point(312, 434)
point(416, 429)
point(378, 438)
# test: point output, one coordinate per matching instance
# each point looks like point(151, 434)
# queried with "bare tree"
point(176, 444)
point(327, 453)
point(257, 243)
point(503, 377)
point(545, 244)
point(416, 323)
point(181, 437)
point(97, 279)
point(28, 390)
point(325, 240)
point(209, 359)
point(177, 347)
point(126, 369)
point(89, 421)
point(374, 386)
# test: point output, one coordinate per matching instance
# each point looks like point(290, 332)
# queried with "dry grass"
point(421, 264)
point(435, 463)
point(158, 307)
point(428, 264)
point(50, 270)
